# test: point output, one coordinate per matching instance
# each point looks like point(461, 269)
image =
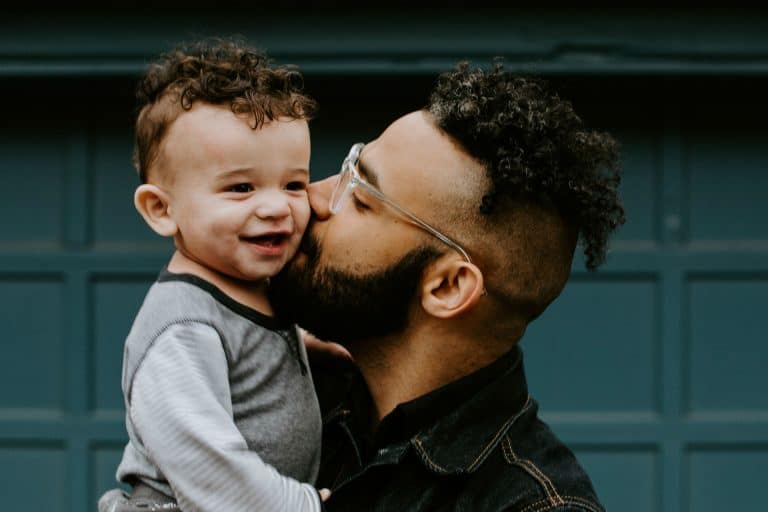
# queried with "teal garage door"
point(652, 368)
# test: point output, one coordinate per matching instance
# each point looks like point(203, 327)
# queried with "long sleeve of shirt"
point(181, 409)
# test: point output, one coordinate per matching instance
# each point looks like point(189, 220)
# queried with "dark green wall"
point(651, 368)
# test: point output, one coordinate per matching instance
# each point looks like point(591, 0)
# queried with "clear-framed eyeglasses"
point(349, 179)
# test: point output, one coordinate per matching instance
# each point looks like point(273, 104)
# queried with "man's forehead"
point(414, 134)
point(413, 151)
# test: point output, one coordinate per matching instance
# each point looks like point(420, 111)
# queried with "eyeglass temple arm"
point(415, 219)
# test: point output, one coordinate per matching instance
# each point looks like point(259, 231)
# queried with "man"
point(427, 257)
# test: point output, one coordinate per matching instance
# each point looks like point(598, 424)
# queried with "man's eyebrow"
point(367, 174)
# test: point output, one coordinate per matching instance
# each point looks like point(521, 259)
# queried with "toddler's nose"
point(272, 206)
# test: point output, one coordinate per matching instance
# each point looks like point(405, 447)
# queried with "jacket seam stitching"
point(549, 489)
point(473, 465)
point(543, 505)
point(582, 502)
point(536, 506)
point(425, 457)
point(500, 432)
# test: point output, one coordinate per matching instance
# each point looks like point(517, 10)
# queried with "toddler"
point(220, 407)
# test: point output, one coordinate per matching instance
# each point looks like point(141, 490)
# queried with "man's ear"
point(153, 204)
point(451, 287)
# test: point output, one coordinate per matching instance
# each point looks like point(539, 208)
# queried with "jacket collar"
point(462, 439)
point(452, 429)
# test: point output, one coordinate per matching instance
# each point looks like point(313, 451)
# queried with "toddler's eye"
point(296, 185)
point(241, 188)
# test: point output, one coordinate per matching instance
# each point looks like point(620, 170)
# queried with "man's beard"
point(336, 305)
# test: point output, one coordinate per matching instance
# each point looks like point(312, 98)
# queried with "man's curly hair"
point(219, 72)
point(534, 147)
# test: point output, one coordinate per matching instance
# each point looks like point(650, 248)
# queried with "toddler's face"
point(238, 195)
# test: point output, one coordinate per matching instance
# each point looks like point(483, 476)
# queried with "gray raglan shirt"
point(220, 408)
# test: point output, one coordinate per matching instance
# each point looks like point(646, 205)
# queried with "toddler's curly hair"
point(219, 72)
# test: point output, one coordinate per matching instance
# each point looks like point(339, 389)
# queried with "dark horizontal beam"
point(642, 263)
point(398, 40)
point(594, 64)
point(602, 431)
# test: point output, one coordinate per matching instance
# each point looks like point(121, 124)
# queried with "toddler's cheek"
point(301, 215)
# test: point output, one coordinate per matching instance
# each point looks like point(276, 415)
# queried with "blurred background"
point(651, 369)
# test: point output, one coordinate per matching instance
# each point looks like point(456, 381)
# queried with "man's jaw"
point(344, 307)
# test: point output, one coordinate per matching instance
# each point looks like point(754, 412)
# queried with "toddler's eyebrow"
point(234, 172)
point(246, 171)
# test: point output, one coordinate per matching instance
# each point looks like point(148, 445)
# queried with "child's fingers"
point(324, 494)
point(324, 349)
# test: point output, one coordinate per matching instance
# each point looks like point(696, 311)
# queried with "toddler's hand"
point(324, 351)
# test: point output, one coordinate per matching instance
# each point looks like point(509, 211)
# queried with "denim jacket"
point(476, 444)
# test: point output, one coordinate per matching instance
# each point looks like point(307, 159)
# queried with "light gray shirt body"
point(220, 407)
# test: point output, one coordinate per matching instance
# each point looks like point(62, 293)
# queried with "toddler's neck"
point(249, 293)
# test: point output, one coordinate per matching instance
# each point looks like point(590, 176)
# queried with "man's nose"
point(272, 205)
point(320, 196)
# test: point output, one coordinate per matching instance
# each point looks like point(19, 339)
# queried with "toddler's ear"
point(153, 204)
